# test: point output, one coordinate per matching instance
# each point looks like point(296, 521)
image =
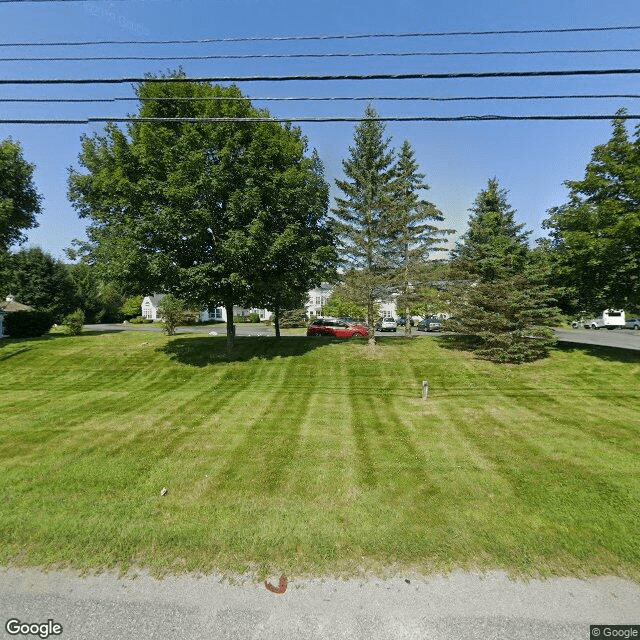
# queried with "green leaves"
point(19, 200)
point(500, 300)
point(595, 236)
point(215, 213)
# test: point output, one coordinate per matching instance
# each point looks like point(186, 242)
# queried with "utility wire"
point(372, 76)
point(25, 1)
point(354, 36)
point(326, 98)
point(322, 119)
point(258, 56)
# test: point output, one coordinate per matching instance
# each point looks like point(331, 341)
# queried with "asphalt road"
point(461, 606)
point(620, 338)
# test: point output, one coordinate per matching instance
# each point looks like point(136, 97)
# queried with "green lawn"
point(316, 456)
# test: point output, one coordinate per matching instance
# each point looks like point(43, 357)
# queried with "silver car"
point(387, 324)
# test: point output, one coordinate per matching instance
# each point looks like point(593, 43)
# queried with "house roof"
point(155, 299)
point(10, 305)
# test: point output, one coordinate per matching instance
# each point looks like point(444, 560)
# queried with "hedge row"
point(27, 324)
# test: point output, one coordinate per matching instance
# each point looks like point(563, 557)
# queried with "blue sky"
point(530, 159)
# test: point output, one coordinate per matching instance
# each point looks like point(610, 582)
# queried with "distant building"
point(317, 298)
point(151, 303)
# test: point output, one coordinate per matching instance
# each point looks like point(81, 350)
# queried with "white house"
point(151, 303)
point(317, 299)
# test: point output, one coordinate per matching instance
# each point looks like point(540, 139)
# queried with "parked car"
point(429, 324)
point(349, 320)
point(336, 329)
point(402, 321)
point(632, 323)
point(387, 324)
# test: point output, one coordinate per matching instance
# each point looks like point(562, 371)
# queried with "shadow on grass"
point(6, 356)
point(203, 351)
point(611, 354)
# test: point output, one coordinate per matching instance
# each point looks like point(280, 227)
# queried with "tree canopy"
point(413, 236)
point(37, 279)
point(19, 199)
point(362, 215)
point(501, 302)
point(595, 236)
point(211, 212)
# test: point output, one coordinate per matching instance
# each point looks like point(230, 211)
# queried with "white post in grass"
point(425, 389)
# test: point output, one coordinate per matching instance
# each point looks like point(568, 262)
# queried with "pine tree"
point(361, 217)
point(413, 236)
point(503, 305)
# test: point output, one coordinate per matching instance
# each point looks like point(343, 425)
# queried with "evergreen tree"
point(595, 236)
point(494, 245)
point(502, 304)
point(412, 235)
point(39, 280)
point(362, 215)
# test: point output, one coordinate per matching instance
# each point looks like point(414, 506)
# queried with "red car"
point(337, 329)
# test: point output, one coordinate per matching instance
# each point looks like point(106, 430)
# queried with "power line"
point(372, 76)
point(375, 54)
point(418, 34)
point(327, 98)
point(25, 1)
point(323, 119)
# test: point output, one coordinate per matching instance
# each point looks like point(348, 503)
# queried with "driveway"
point(460, 606)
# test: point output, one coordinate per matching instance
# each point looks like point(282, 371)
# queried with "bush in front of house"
point(73, 322)
point(27, 324)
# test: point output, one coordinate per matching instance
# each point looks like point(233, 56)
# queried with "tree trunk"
point(276, 321)
point(231, 328)
point(407, 322)
point(371, 322)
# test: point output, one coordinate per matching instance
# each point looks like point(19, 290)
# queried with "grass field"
point(316, 456)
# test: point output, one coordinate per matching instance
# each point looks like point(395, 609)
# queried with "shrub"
point(173, 313)
point(27, 324)
point(240, 319)
point(294, 318)
point(137, 320)
point(253, 317)
point(73, 322)
point(131, 307)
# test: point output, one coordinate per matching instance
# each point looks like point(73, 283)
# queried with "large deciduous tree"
point(291, 242)
point(19, 199)
point(362, 215)
point(595, 236)
point(204, 210)
point(501, 299)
